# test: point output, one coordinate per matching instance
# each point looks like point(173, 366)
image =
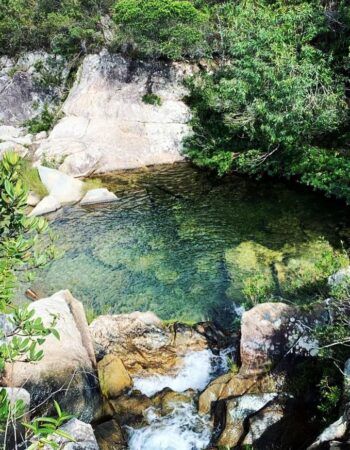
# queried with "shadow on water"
point(165, 245)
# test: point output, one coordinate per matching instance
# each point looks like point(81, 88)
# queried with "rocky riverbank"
point(130, 376)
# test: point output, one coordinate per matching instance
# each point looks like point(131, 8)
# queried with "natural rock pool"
point(177, 241)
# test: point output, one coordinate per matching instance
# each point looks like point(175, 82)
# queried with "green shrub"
point(168, 28)
point(152, 99)
point(276, 103)
point(43, 122)
point(31, 179)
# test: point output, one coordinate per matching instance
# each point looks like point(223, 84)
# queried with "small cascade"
point(183, 428)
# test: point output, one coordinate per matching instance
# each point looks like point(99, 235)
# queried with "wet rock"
point(82, 433)
point(62, 187)
point(143, 344)
point(106, 118)
point(237, 412)
point(47, 205)
point(101, 195)
point(109, 436)
point(67, 370)
point(130, 410)
point(168, 401)
point(114, 378)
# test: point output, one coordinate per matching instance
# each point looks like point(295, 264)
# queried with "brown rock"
point(143, 344)
point(114, 378)
point(109, 436)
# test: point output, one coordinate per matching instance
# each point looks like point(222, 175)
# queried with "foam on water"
point(198, 369)
point(183, 429)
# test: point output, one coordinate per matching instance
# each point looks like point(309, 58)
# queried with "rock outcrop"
point(27, 84)
point(107, 126)
point(113, 377)
point(67, 370)
point(143, 344)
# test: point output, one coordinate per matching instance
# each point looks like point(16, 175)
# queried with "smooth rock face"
point(24, 91)
point(67, 370)
point(114, 378)
point(62, 187)
point(101, 195)
point(270, 332)
point(106, 119)
point(45, 206)
point(81, 432)
point(143, 344)
point(33, 199)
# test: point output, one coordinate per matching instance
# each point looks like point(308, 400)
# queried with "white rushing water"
point(184, 428)
point(197, 371)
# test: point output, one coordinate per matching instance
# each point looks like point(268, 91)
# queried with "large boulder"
point(271, 332)
point(67, 371)
point(143, 344)
point(107, 125)
point(62, 187)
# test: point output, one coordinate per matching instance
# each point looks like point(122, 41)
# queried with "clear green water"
point(163, 246)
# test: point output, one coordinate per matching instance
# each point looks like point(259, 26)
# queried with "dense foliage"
point(171, 28)
point(276, 103)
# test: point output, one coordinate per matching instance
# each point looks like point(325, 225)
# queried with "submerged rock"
point(67, 370)
point(101, 195)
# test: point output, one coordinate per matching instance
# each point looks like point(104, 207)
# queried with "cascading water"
point(183, 428)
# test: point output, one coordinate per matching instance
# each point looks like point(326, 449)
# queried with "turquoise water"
point(165, 245)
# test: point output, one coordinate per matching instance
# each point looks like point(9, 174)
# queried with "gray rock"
point(62, 187)
point(67, 371)
point(106, 118)
point(23, 86)
point(82, 433)
point(81, 164)
point(333, 432)
point(101, 195)
point(339, 276)
point(8, 132)
point(47, 205)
